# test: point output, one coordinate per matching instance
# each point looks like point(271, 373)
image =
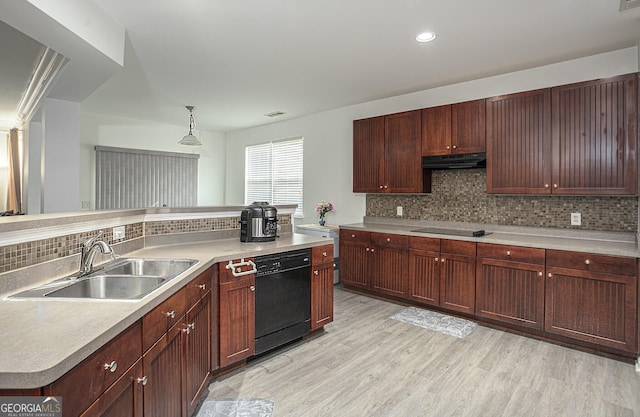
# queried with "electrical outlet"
point(399, 211)
point(118, 232)
point(576, 219)
point(85, 205)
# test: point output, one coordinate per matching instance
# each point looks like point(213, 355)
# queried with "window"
point(273, 173)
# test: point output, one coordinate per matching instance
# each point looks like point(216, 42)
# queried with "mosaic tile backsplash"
point(460, 195)
point(30, 253)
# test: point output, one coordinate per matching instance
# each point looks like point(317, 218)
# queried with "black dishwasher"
point(283, 298)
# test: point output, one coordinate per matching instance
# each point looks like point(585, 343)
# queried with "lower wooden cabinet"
point(510, 285)
point(163, 365)
point(123, 398)
point(236, 316)
point(197, 353)
point(457, 275)
point(321, 286)
point(390, 266)
point(424, 270)
point(355, 258)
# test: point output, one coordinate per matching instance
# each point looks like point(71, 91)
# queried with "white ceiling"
point(236, 60)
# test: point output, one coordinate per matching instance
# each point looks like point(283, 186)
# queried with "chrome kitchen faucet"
point(89, 249)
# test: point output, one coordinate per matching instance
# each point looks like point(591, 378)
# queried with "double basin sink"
point(120, 279)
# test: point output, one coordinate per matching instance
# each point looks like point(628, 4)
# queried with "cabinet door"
point(468, 127)
point(368, 155)
point(197, 353)
point(321, 295)
point(123, 398)
point(594, 307)
point(458, 283)
point(511, 292)
point(519, 143)
point(424, 277)
point(162, 366)
point(594, 137)
point(237, 320)
point(403, 163)
point(354, 265)
point(390, 271)
point(436, 131)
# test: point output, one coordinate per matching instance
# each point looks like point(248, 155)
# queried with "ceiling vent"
point(629, 4)
point(276, 113)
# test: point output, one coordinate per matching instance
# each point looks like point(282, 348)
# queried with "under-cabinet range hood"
point(469, 160)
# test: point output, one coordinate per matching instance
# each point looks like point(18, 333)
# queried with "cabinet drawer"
point(592, 262)
point(226, 275)
point(355, 236)
point(160, 319)
point(82, 385)
point(459, 247)
point(511, 253)
point(321, 254)
point(390, 240)
point(198, 288)
point(424, 243)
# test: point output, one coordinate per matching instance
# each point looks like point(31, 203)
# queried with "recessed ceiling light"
point(426, 37)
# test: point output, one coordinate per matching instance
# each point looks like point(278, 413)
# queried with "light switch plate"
point(85, 204)
point(118, 232)
point(576, 219)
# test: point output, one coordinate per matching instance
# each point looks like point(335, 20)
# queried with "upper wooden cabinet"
point(519, 143)
point(594, 136)
point(454, 129)
point(386, 154)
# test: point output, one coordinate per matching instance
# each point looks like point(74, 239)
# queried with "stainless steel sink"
point(114, 287)
point(120, 279)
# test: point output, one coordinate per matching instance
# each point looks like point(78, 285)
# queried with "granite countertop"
point(606, 243)
point(43, 339)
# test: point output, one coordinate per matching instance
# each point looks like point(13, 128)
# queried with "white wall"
point(31, 181)
point(328, 135)
point(126, 133)
point(60, 156)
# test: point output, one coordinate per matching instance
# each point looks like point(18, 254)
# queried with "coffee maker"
point(258, 222)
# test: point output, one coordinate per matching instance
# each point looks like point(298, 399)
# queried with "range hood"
point(469, 160)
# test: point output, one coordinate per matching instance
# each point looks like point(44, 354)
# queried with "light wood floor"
point(366, 364)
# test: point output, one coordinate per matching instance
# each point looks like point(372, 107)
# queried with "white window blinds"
point(273, 173)
point(134, 178)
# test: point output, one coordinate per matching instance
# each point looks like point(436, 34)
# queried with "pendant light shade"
point(189, 138)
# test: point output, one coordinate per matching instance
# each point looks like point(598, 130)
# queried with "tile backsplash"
point(460, 195)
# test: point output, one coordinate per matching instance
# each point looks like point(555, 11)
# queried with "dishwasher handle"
point(239, 272)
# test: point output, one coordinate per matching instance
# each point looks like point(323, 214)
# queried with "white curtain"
point(14, 189)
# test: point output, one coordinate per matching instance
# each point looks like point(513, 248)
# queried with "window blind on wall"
point(135, 178)
point(274, 173)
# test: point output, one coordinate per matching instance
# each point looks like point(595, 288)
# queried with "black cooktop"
point(453, 232)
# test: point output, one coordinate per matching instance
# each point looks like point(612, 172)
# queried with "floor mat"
point(452, 326)
point(225, 407)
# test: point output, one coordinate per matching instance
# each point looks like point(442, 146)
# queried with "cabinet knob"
point(111, 367)
point(252, 288)
point(442, 260)
point(508, 253)
point(386, 186)
point(202, 286)
point(587, 262)
point(171, 314)
point(388, 239)
point(455, 147)
point(353, 235)
point(555, 185)
point(539, 274)
point(381, 187)
point(324, 254)
point(192, 325)
point(368, 249)
point(372, 250)
point(546, 186)
point(549, 275)
point(142, 380)
point(315, 272)
point(448, 147)
point(186, 330)
point(437, 260)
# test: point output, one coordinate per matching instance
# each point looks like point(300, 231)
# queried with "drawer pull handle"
point(111, 367)
point(587, 262)
point(202, 286)
point(508, 253)
point(324, 253)
point(171, 314)
point(252, 288)
point(315, 272)
point(186, 330)
point(142, 380)
point(238, 272)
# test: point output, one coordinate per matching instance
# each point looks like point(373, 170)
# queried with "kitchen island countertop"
point(43, 339)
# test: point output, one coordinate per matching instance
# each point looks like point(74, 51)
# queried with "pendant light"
point(190, 139)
